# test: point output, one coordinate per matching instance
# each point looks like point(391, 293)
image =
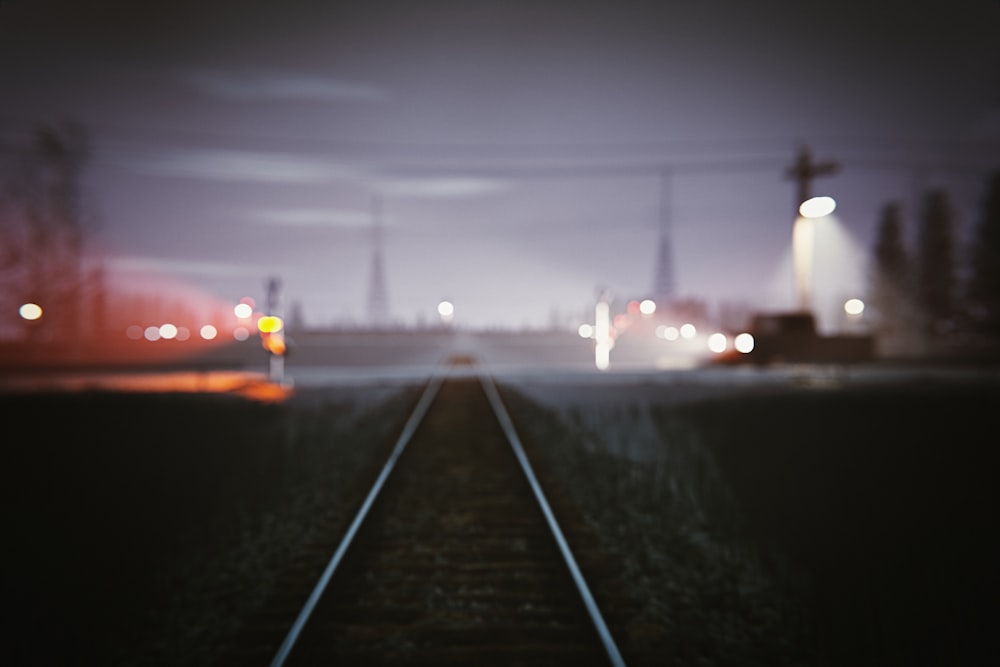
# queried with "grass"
point(882, 500)
point(781, 527)
point(835, 526)
point(141, 528)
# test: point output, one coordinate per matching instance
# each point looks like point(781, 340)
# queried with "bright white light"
point(586, 331)
point(241, 333)
point(168, 331)
point(602, 335)
point(717, 342)
point(817, 207)
point(743, 343)
point(446, 309)
point(647, 307)
point(803, 244)
point(270, 324)
point(243, 310)
point(688, 330)
point(152, 333)
point(671, 333)
point(602, 356)
point(854, 306)
point(208, 332)
point(30, 311)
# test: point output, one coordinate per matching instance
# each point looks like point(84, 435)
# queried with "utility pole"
point(276, 356)
point(663, 279)
point(378, 300)
point(803, 171)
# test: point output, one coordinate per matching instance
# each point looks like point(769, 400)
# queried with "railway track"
point(455, 556)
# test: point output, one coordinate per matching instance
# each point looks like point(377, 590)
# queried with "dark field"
point(829, 527)
point(139, 529)
point(851, 526)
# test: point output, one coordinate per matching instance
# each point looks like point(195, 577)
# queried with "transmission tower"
point(378, 300)
point(664, 288)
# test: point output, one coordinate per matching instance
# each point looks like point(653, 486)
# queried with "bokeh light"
point(647, 307)
point(688, 330)
point(30, 311)
point(586, 331)
point(241, 333)
point(208, 332)
point(744, 343)
point(667, 332)
point(243, 310)
point(446, 309)
point(717, 342)
point(817, 207)
point(854, 306)
point(270, 324)
point(152, 334)
point(168, 331)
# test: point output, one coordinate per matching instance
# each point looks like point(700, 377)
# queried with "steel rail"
point(614, 655)
point(404, 438)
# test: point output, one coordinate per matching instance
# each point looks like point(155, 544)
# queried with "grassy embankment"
point(141, 528)
point(842, 526)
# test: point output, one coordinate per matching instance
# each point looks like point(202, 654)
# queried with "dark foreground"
point(842, 526)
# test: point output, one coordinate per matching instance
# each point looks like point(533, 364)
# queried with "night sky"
point(519, 149)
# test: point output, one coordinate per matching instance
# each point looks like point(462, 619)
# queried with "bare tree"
point(43, 232)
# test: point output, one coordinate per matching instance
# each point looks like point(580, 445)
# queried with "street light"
point(446, 309)
point(817, 207)
point(803, 170)
point(803, 243)
point(602, 335)
point(30, 311)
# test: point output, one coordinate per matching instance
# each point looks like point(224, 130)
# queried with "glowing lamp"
point(717, 342)
point(275, 344)
point(854, 307)
point(168, 331)
point(30, 311)
point(743, 343)
point(270, 324)
point(817, 207)
point(446, 309)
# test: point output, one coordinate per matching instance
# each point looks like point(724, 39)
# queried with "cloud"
point(139, 264)
point(442, 187)
point(278, 85)
point(236, 166)
point(312, 217)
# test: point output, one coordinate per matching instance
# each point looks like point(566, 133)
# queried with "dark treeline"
point(938, 295)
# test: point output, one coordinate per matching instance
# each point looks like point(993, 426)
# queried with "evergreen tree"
point(937, 274)
point(891, 284)
point(984, 282)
